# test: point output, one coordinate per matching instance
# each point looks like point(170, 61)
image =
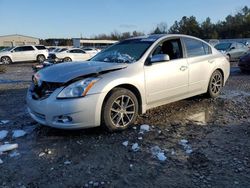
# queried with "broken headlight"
point(77, 89)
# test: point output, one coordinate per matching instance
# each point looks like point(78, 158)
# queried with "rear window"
point(196, 48)
point(41, 47)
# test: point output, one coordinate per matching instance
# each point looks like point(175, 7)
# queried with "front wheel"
point(215, 84)
point(120, 109)
point(6, 60)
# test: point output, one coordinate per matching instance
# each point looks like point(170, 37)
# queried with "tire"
point(6, 60)
point(67, 59)
point(120, 110)
point(215, 84)
point(40, 58)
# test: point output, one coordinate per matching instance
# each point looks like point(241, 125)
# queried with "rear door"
point(200, 62)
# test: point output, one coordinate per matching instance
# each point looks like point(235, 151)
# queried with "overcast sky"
point(73, 18)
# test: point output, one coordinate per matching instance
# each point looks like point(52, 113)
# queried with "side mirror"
point(232, 48)
point(159, 58)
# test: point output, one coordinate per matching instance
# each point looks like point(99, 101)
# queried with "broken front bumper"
point(73, 113)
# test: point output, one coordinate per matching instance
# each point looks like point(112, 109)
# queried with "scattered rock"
point(14, 154)
point(8, 147)
point(3, 134)
point(18, 133)
point(144, 128)
point(158, 153)
point(125, 143)
point(3, 122)
point(186, 146)
point(67, 162)
point(41, 154)
point(135, 147)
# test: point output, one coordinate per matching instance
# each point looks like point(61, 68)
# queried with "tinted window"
point(170, 47)
point(76, 51)
point(196, 48)
point(41, 47)
point(223, 46)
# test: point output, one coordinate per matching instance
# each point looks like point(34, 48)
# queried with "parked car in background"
point(73, 54)
point(92, 51)
point(234, 50)
point(213, 42)
point(24, 53)
point(125, 80)
point(244, 63)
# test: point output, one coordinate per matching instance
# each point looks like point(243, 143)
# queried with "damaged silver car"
point(125, 80)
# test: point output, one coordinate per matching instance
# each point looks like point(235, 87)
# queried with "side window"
point(28, 48)
point(196, 48)
point(170, 47)
point(41, 47)
point(18, 49)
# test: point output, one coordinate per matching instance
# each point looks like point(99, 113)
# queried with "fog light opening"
point(64, 119)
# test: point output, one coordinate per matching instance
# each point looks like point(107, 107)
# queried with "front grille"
point(44, 90)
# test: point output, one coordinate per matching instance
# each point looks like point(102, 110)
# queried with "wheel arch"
point(6, 56)
point(131, 88)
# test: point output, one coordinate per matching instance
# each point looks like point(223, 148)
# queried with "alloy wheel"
point(216, 83)
point(122, 111)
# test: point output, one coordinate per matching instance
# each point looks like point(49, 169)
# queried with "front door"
point(167, 80)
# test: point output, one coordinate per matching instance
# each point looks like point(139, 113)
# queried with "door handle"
point(210, 61)
point(183, 68)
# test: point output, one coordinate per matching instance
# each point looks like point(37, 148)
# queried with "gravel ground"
point(205, 141)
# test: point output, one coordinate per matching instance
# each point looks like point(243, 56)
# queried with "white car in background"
point(93, 51)
point(24, 53)
point(73, 54)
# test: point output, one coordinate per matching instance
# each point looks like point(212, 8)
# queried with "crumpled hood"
point(65, 72)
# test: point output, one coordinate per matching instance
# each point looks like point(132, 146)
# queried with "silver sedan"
point(125, 80)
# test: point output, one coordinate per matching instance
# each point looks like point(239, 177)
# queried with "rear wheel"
point(215, 84)
point(6, 60)
point(67, 59)
point(40, 58)
point(120, 109)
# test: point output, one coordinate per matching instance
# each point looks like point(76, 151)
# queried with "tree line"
point(234, 26)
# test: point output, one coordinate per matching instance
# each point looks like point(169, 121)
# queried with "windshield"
point(127, 51)
point(6, 49)
point(223, 46)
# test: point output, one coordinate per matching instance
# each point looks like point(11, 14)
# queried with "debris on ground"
point(41, 154)
point(125, 143)
point(3, 122)
point(18, 133)
point(186, 146)
point(67, 162)
point(144, 128)
point(158, 153)
point(135, 147)
point(8, 147)
point(14, 154)
point(3, 134)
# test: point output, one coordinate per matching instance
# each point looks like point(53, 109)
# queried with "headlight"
point(77, 89)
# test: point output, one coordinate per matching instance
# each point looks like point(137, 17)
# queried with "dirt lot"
point(206, 142)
